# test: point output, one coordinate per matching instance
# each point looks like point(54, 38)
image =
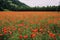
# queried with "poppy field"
point(29, 25)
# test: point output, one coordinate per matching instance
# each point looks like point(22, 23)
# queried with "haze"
point(33, 3)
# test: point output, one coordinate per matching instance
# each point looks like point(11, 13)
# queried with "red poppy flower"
point(14, 28)
point(1, 34)
point(33, 35)
point(41, 29)
point(35, 30)
point(21, 24)
point(26, 36)
point(4, 29)
point(20, 36)
point(19, 29)
point(52, 35)
point(10, 32)
point(5, 32)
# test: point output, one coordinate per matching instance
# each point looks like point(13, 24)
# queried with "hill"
point(12, 5)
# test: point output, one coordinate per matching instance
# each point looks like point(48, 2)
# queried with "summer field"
point(30, 25)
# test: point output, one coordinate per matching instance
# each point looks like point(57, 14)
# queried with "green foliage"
point(54, 28)
point(16, 5)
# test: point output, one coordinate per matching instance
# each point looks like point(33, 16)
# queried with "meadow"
point(30, 25)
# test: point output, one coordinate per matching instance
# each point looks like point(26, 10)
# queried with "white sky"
point(40, 3)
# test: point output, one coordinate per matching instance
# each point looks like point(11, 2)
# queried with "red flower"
point(10, 32)
point(5, 30)
point(33, 35)
point(35, 30)
point(19, 29)
point(26, 36)
point(14, 28)
point(52, 35)
point(41, 29)
point(20, 36)
point(21, 24)
point(1, 34)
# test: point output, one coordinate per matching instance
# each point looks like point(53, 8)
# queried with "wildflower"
point(10, 32)
point(52, 35)
point(1, 34)
point(26, 36)
point(21, 24)
point(14, 28)
point(35, 30)
point(19, 29)
point(41, 29)
point(33, 35)
point(5, 30)
point(20, 36)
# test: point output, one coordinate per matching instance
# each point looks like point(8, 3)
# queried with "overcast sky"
point(40, 3)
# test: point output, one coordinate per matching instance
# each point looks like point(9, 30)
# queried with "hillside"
point(12, 5)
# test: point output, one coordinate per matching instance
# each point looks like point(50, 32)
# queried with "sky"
point(40, 3)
